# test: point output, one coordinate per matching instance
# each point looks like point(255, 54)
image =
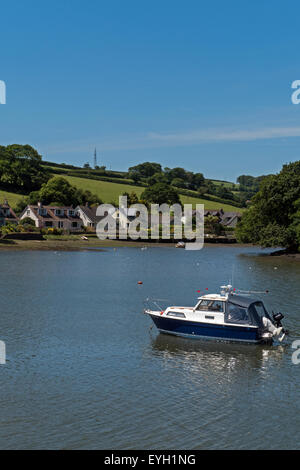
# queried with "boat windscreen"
point(211, 305)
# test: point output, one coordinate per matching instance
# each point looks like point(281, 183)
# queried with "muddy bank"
point(285, 254)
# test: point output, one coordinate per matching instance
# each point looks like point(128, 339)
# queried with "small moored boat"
point(226, 316)
point(180, 245)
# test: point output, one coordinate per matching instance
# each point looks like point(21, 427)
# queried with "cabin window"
point(209, 317)
point(211, 306)
point(259, 309)
point(176, 314)
point(74, 224)
point(237, 314)
point(257, 312)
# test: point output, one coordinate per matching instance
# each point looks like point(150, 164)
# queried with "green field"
point(109, 192)
point(226, 184)
point(11, 197)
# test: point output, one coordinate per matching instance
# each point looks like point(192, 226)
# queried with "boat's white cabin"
point(210, 308)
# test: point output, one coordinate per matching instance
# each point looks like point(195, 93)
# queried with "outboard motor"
point(277, 317)
point(274, 328)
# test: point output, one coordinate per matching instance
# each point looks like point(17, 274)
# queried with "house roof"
point(213, 212)
point(229, 217)
point(11, 215)
point(90, 212)
point(50, 213)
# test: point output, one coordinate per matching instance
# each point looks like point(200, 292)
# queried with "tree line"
point(273, 219)
point(150, 173)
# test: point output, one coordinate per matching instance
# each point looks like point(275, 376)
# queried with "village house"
point(64, 218)
point(126, 215)
point(230, 219)
point(123, 217)
point(7, 215)
point(225, 218)
point(214, 213)
point(89, 217)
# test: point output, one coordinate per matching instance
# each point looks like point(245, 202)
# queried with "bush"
point(27, 221)
point(51, 231)
point(8, 228)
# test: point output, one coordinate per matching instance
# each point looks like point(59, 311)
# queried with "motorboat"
point(228, 316)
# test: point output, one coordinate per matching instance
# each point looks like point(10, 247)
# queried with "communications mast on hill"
point(95, 158)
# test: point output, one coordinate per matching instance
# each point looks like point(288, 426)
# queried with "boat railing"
point(155, 304)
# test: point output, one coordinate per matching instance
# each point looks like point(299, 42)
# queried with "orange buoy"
point(140, 282)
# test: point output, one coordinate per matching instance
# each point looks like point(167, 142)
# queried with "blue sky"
point(202, 85)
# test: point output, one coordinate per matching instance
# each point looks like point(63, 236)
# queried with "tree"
point(161, 193)
point(176, 173)
point(224, 192)
point(86, 197)
point(273, 218)
point(156, 178)
point(21, 168)
point(212, 224)
point(21, 204)
point(250, 183)
point(198, 180)
point(27, 221)
point(59, 191)
point(246, 180)
point(178, 183)
point(143, 170)
point(131, 198)
point(202, 190)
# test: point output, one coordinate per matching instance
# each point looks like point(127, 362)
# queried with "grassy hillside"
point(109, 192)
point(226, 184)
point(11, 197)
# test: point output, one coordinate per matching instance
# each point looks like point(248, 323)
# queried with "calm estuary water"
point(84, 372)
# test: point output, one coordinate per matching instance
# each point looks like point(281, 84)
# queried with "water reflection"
point(83, 371)
point(216, 356)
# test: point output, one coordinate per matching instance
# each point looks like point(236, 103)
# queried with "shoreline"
point(283, 254)
point(72, 245)
point(96, 245)
point(75, 244)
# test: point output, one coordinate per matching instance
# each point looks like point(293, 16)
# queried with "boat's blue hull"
point(206, 330)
